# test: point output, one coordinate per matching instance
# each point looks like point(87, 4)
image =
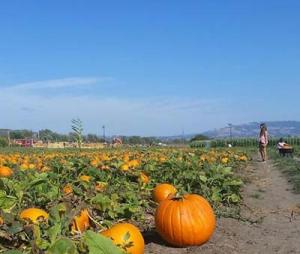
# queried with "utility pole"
point(103, 127)
point(230, 131)
point(8, 137)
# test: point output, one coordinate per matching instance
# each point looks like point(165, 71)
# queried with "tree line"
point(47, 135)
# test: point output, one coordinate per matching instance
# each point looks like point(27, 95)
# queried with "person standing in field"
point(263, 141)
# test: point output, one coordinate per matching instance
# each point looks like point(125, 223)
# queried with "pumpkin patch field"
point(105, 201)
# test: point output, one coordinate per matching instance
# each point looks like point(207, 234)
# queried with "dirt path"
point(269, 201)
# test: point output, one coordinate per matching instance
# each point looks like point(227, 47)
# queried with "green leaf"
point(63, 246)
point(227, 171)
point(16, 227)
point(7, 202)
point(234, 182)
point(234, 198)
point(203, 178)
point(98, 244)
point(53, 232)
point(12, 252)
point(101, 202)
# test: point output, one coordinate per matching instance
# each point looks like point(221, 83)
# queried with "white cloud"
point(27, 106)
point(56, 83)
point(22, 107)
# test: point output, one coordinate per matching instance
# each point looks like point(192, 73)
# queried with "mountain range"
point(275, 129)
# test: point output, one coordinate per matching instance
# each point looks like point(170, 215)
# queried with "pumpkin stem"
point(177, 197)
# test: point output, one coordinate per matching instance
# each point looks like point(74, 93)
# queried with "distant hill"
point(275, 128)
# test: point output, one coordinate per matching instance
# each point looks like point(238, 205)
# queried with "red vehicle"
point(24, 142)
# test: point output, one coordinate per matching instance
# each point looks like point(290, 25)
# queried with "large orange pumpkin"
point(185, 221)
point(126, 236)
point(5, 171)
point(162, 191)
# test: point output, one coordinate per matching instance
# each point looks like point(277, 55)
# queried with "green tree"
point(3, 142)
point(20, 134)
point(92, 138)
point(199, 137)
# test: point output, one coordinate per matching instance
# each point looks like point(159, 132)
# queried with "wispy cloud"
point(23, 107)
point(56, 83)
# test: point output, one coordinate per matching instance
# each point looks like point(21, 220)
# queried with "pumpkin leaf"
point(12, 252)
point(6, 201)
point(203, 178)
point(54, 232)
point(234, 198)
point(98, 244)
point(63, 246)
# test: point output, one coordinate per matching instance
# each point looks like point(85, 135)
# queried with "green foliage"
point(21, 134)
point(3, 142)
point(98, 244)
point(242, 142)
point(123, 198)
point(199, 137)
point(138, 140)
point(48, 135)
point(290, 167)
point(12, 252)
point(63, 246)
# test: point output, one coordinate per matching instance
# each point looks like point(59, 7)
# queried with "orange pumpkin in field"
point(85, 178)
point(81, 222)
point(163, 191)
point(34, 214)
point(126, 236)
point(5, 171)
point(144, 178)
point(185, 221)
point(68, 189)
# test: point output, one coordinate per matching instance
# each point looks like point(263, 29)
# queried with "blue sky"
point(148, 67)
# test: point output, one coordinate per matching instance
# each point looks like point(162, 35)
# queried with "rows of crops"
point(83, 192)
point(242, 142)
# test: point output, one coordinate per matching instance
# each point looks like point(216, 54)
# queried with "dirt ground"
point(268, 199)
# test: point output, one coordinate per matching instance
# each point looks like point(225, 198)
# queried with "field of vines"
point(243, 142)
point(66, 201)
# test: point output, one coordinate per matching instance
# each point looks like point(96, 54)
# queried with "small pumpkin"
point(81, 222)
point(185, 221)
point(125, 167)
point(34, 214)
point(144, 178)
point(85, 178)
point(163, 191)
point(101, 186)
point(126, 236)
point(225, 160)
point(133, 163)
point(68, 189)
point(5, 171)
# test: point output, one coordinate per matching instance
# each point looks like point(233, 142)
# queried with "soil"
point(272, 223)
